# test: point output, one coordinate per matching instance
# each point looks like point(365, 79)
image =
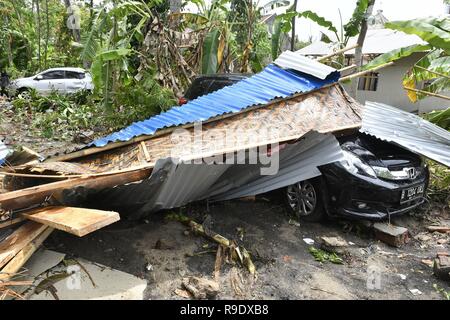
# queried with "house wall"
point(390, 89)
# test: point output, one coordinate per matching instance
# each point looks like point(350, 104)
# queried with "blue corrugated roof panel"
point(273, 82)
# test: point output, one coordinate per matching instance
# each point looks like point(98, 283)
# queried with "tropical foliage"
point(341, 34)
point(141, 55)
point(432, 72)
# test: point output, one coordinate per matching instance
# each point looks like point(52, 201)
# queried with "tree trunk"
point(358, 50)
point(75, 32)
point(38, 19)
point(47, 35)
point(293, 28)
point(9, 43)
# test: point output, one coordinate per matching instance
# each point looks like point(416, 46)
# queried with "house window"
point(368, 82)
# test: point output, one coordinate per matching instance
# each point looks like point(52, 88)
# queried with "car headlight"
point(355, 165)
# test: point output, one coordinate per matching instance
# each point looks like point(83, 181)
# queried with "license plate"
point(412, 193)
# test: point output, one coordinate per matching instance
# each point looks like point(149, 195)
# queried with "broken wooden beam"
point(442, 229)
point(14, 265)
point(10, 222)
point(16, 241)
point(27, 197)
point(77, 221)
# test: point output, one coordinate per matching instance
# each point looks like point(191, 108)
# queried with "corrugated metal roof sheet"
point(273, 82)
point(297, 61)
point(298, 162)
point(407, 130)
point(173, 184)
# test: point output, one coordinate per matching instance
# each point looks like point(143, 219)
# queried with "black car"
point(377, 179)
point(205, 84)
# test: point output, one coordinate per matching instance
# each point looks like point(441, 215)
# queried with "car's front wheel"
point(24, 93)
point(304, 200)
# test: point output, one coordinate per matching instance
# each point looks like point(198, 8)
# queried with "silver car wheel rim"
point(302, 198)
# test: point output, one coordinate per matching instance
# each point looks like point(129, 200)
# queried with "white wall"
point(390, 89)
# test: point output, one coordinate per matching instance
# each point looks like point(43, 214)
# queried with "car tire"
point(304, 200)
point(24, 92)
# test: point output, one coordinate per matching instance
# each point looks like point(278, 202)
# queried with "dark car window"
point(58, 74)
point(198, 88)
point(74, 75)
point(219, 84)
point(207, 84)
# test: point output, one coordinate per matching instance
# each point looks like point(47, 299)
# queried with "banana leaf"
point(353, 27)
point(395, 54)
point(209, 53)
point(435, 31)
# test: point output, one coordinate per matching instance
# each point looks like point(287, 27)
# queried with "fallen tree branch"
point(237, 253)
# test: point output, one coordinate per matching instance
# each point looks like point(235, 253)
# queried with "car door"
point(51, 81)
point(75, 81)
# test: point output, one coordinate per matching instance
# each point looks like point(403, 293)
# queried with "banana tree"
point(340, 34)
point(432, 71)
point(108, 43)
point(213, 44)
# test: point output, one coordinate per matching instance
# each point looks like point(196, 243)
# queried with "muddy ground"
point(164, 251)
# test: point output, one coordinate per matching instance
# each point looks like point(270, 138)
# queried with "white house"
point(385, 85)
point(276, 7)
point(269, 13)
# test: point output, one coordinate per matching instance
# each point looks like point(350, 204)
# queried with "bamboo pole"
point(336, 53)
point(427, 93)
point(435, 72)
point(361, 73)
point(347, 68)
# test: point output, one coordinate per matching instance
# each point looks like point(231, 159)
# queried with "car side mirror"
point(39, 77)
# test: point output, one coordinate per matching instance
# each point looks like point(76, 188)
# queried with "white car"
point(61, 80)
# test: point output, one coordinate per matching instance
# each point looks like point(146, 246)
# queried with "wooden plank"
point(145, 150)
point(22, 257)
point(10, 222)
point(77, 221)
point(35, 195)
point(442, 229)
point(18, 240)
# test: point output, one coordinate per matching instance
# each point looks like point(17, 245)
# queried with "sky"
point(392, 10)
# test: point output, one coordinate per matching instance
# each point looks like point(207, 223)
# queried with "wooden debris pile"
point(29, 229)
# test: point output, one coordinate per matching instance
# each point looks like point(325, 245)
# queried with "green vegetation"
point(141, 55)
point(323, 256)
point(442, 291)
point(439, 187)
point(432, 71)
point(341, 34)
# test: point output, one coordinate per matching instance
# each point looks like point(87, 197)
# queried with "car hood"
point(21, 80)
point(379, 153)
